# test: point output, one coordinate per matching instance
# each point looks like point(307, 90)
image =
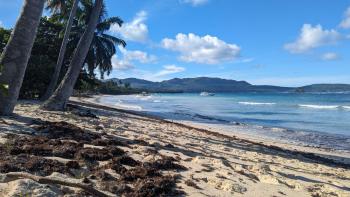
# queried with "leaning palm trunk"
point(60, 97)
point(50, 89)
point(15, 57)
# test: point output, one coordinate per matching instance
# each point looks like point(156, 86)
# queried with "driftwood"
point(12, 176)
point(3, 121)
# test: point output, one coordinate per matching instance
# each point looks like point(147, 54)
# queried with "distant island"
point(217, 85)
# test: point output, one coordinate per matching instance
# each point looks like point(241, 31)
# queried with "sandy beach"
point(124, 154)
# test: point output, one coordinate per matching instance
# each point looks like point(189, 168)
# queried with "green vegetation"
point(112, 87)
point(44, 57)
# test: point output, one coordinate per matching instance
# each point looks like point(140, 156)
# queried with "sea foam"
point(255, 103)
point(128, 107)
point(346, 107)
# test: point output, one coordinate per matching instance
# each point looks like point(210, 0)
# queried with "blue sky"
point(277, 42)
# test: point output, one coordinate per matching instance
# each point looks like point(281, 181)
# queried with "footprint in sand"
point(226, 185)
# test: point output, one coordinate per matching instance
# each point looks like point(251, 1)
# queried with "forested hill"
point(207, 84)
point(325, 88)
point(199, 84)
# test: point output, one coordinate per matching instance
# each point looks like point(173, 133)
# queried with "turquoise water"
point(324, 118)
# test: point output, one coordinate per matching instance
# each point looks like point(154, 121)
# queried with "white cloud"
point(195, 2)
point(247, 60)
point(137, 55)
point(159, 75)
point(136, 30)
point(169, 69)
point(1, 24)
point(330, 56)
point(126, 62)
point(345, 23)
point(119, 64)
point(312, 37)
point(204, 50)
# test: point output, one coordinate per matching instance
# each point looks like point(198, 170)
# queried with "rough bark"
point(56, 74)
point(59, 99)
point(15, 57)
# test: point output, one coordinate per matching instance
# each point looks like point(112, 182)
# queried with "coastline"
point(215, 163)
point(238, 130)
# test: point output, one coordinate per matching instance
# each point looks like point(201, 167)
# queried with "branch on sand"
point(3, 121)
point(12, 176)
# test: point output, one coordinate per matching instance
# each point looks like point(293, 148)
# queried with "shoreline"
point(225, 130)
point(299, 135)
point(188, 160)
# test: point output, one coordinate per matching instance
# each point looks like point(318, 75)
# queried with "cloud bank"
point(204, 50)
point(136, 30)
point(312, 37)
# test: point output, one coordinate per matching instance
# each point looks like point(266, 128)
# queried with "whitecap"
point(129, 107)
point(346, 107)
point(145, 98)
point(320, 106)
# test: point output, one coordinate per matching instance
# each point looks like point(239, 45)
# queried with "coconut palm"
point(103, 47)
point(16, 54)
point(56, 4)
point(59, 99)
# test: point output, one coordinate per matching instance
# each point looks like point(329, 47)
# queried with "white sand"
point(219, 166)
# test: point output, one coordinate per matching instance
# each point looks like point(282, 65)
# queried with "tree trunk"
point(60, 98)
point(51, 88)
point(14, 58)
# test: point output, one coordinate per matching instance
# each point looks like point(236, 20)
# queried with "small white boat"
point(145, 94)
point(207, 94)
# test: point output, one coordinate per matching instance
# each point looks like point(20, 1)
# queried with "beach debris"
point(117, 188)
point(63, 130)
point(108, 142)
point(75, 153)
point(86, 113)
point(158, 186)
point(96, 154)
point(126, 160)
point(33, 164)
point(190, 183)
point(166, 163)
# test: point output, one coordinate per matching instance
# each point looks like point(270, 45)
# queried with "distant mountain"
point(201, 84)
point(325, 88)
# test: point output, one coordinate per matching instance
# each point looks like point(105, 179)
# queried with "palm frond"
point(115, 40)
point(106, 24)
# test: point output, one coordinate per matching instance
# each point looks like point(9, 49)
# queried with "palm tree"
point(16, 54)
point(103, 47)
point(59, 99)
point(55, 4)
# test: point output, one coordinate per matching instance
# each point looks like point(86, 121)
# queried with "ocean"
point(321, 120)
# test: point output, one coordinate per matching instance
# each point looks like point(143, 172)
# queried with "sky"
point(274, 42)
